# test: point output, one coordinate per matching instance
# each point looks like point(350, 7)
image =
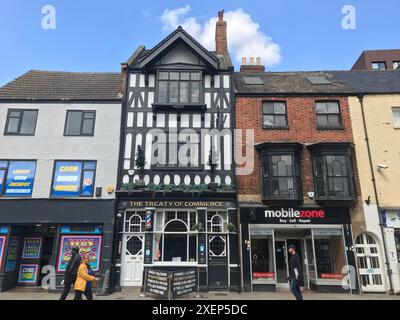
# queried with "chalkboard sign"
point(183, 282)
point(171, 284)
point(157, 282)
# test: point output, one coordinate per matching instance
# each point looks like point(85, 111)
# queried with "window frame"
point(398, 65)
point(177, 167)
point(350, 178)
point(396, 109)
point(340, 126)
point(81, 134)
point(379, 64)
point(267, 181)
point(274, 127)
point(189, 103)
point(21, 117)
point(6, 171)
point(81, 179)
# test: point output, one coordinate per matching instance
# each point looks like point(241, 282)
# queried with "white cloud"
point(245, 39)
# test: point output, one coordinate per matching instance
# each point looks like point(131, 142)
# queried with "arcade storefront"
point(323, 239)
point(36, 238)
point(174, 235)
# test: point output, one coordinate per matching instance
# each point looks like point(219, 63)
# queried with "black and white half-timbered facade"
point(176, 197)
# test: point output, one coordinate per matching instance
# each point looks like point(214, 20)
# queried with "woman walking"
point(83, 278)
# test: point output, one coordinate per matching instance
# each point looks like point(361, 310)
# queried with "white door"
point(132, 272)
point(369, 264)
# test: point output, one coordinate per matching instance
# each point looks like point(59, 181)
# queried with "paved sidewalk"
point(134, 294)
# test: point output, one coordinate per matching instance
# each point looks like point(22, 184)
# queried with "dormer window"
point(179, 87)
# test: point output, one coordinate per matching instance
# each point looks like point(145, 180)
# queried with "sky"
point(97, 35)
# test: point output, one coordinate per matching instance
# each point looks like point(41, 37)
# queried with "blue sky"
point(97, 35)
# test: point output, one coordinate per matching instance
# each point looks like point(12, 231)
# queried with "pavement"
point(21, 293)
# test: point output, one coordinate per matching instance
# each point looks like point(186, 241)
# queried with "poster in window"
point(67, 179)
point(87, 183)
point(32, 248)
point(28, 274)
point(89, 245)
point(12, 254)
point(2, 176)
point(2, 243)
point(20, 178)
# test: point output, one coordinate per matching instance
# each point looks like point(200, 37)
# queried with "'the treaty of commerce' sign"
point(176, 204)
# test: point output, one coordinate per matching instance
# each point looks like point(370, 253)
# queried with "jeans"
point(295, 289)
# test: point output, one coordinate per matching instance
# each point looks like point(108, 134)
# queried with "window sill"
point(19, 134)
point(177, 106)
point(166, 168)
point(275, 127)
point(330, 128)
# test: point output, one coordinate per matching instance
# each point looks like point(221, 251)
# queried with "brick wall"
point(302, 128)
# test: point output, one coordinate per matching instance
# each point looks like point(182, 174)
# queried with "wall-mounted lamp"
point(382, 167)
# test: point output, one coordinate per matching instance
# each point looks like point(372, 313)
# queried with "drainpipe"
point(381, 225)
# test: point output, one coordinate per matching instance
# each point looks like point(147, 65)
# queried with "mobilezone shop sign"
point(301, 216)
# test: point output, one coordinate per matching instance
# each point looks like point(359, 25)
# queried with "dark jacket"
point(295, 263)
point(73, 265)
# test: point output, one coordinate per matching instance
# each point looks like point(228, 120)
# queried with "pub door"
point(132, 273)
point(217, 262)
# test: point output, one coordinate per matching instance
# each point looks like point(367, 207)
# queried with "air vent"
point(253, 80)
point(318, 80)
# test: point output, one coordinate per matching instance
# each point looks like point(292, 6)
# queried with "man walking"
point(71, 272)
point(295, 272)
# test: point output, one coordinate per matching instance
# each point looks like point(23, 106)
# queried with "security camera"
point(119, 215)
point(382, 166)
point(311, 195)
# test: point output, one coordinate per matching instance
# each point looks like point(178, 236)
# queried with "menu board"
point(2, 243)
point(32, 248)
point(89, 245)
point(157, 282)
point(20, 178)
point(28, 274)
point(184, 282)
point(12, 254)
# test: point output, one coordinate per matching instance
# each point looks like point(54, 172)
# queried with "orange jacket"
point(82, 278)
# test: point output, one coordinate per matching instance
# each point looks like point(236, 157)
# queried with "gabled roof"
point(56, 85)
point(143, 57)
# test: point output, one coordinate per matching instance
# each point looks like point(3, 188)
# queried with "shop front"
point(323, 240)
point(180, 234)
point(37, 238)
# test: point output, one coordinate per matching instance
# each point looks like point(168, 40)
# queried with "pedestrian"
point(295, 272)
point(88, 290)
point(71, 272)
point(82, 279)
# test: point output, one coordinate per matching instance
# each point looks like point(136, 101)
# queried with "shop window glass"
point(329, 256)
point(262, 258)
point(397, 238)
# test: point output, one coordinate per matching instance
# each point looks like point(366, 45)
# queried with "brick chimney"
point(221, 39)
point(252, 67)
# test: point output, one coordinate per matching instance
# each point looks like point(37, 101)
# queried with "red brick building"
point(378, 60)
point(304, 182)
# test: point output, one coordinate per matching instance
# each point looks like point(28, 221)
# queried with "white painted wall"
point(49, 144)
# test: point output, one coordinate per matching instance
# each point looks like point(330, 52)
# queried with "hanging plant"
point(231, 227)
point(198, 227)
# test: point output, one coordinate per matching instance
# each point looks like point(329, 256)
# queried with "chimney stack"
point(251, 67)
point(221, 38)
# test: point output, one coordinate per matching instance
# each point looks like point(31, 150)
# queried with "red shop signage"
point(337, 276)
point(263, 275)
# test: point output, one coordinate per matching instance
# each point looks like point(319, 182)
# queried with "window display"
point(263, 264)
point(329, 254)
